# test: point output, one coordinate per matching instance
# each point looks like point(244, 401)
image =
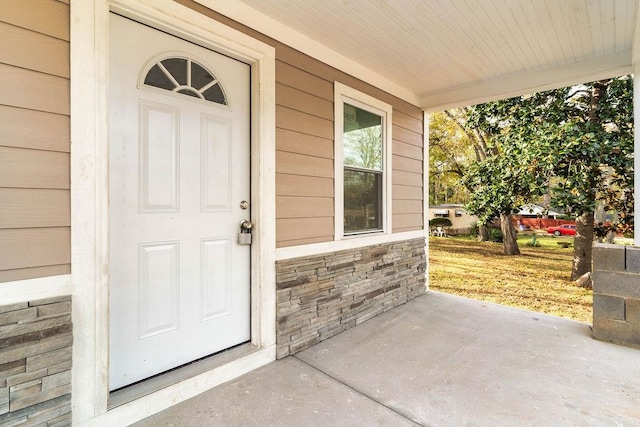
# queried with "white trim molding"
point(34, 289)
point(89, 192)
point(290, 252)
point(636, 150)
point(425, 186)
point(525, 83)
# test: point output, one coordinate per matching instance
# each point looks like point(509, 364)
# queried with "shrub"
point(440, 222)
point(474, 230)
point(533, 242)
point(495, 235)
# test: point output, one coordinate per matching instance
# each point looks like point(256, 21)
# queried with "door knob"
point(247, 225)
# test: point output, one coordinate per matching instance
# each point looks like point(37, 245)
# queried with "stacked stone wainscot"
point(323, 295)
point(616, 294)
point(35, 363)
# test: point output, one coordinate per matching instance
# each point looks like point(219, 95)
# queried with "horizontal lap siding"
point(304, 172)
point(315, 80)
point(34, 139)
point(304, 145)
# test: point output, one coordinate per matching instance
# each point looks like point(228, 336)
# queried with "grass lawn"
point(537, 280)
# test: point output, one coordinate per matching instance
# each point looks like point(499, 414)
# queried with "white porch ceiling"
point(445, 53)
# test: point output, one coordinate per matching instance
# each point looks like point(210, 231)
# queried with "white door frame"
point(89, 193)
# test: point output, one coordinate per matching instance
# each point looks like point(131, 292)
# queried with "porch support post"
point(636, 150)
point(425, 182)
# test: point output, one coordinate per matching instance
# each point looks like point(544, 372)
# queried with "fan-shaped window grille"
point(182, 75)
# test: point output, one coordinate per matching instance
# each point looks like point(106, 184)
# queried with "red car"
point(562, 230)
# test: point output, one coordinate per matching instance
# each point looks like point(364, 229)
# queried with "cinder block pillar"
point(616, 294)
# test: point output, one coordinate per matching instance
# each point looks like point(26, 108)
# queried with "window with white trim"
point(363, 163)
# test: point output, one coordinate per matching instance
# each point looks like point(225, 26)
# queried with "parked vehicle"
point(562, 230)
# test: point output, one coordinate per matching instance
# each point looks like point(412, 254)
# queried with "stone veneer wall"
point(35, 363)
point(616, 294)
point(323, 295)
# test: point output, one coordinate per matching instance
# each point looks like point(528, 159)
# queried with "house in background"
point(461, 221)
point(183, 177)
point(532, 210)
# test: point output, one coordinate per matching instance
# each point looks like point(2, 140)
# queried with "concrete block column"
point(616, 294)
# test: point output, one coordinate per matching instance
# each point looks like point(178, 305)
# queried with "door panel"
point(179, 168)
point(159, 165)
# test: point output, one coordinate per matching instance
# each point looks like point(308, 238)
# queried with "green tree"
point(506, 178)
point(450, 153)
point(589, 140)
point(456, 144)
point(577, 141)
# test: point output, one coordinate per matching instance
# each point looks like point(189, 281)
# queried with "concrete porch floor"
point(438, 360)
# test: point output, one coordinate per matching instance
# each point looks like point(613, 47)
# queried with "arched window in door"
point(187, 77)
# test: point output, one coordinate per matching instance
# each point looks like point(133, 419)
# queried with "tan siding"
point(42, 16)
point(33, 129)
point(33, 90)
point(34, 139)
point(317, 68)
point(404, 135)
point(407, 178)
point(294, 77)
point(46, 54)
point(407, 222)
point(406, 150)
point(304, 228)
point(304, 141)
point(405, 192)
point(407, 164)
point(404, 230)
point(303, 186)
point(33, 168)
point(297, 121)
point(300, 164)
point(304, 207)
point(407, 206)
point(408, 122)
point(24, 208)
point(302, 101)
point(297, 242)
point(34, 247)
point(295, 142)
point(34, 272)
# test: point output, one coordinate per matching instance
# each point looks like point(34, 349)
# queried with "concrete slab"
point(284, 393)
point(445, 360)
point(438, 360)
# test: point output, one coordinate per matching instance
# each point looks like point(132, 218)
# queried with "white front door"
point(179, 170)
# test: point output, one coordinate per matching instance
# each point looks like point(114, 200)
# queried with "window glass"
point(177, 67)
point(157, 78)
point(362, 138)
point(186, 77)
point(362, 201)
point(363, 171)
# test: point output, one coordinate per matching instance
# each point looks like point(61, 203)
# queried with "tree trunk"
point(582, 246)
point(509, 242)
point(483, 233)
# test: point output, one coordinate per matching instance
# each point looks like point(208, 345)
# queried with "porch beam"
point(525, 83)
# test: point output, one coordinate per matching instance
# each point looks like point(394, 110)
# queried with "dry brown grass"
point(537, 280)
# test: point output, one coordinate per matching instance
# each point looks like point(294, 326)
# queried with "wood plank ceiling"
point(457, 52)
